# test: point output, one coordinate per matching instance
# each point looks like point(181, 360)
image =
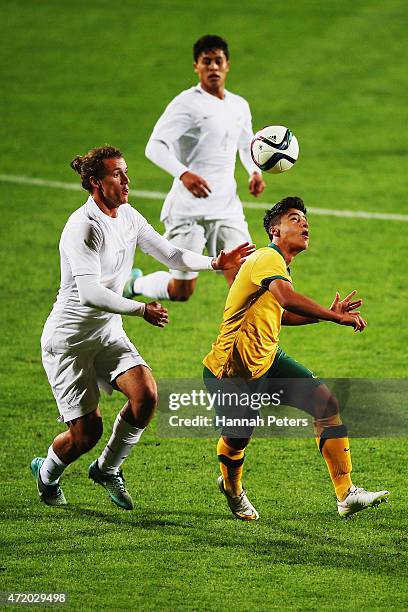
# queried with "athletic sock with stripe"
point(231, 465)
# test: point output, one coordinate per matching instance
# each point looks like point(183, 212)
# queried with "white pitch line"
point(158, 195)
point(362, 214)
point(38, 182)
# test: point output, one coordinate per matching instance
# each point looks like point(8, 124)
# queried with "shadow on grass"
point(310, 540)
point(114, 516)
point(347, 546)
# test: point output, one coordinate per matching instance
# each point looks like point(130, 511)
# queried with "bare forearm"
point(302, 310)
point(289, 318)
point(304, 306)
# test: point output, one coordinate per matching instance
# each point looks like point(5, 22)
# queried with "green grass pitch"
point(75, 75)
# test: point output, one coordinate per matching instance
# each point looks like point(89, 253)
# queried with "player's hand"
point(234, 258)
point(346, 305)
point(195, 184)
point(256, 184)
point(352, 319)
point(155, 314)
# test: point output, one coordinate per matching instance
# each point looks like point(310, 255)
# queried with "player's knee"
point(146, 399)
point(141, 408)
point(150, 398)
point(333, 407)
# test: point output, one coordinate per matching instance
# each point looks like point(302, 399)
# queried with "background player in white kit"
point(83, 343)
point(196, 140)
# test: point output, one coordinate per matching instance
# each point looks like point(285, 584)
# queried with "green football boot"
point(114, 484)
point(52, 495)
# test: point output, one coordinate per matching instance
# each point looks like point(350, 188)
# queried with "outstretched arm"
point(290, 318)
point(303, 306)
point(234, 258)
point(341, 306)
point(175, 258)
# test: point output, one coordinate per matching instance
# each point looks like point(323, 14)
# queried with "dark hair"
point(209, 42)
point(91, 164)
point(274, 215)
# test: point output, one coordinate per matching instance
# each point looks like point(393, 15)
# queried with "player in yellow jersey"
point(247, 351)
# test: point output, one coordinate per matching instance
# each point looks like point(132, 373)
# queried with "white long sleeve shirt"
point(202, 133)
point(97, 253)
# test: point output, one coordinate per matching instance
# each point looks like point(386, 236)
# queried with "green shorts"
point(295, 384)
point(283, 366)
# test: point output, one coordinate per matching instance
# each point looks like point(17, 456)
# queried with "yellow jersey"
point(249, 334)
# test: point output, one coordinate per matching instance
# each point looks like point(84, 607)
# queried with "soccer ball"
point(275, 149)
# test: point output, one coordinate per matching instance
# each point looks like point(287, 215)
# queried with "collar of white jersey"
point(99, 213)
point(201, 90)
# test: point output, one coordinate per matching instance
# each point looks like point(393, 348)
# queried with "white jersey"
point(92, 243)
point(203, 133)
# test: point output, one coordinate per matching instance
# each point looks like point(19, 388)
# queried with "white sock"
point(153, 285)
point(52, 468)
point(121, 442)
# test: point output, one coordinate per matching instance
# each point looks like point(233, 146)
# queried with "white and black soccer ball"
point(275, 149)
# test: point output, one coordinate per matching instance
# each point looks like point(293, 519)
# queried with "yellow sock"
point(231, 465)
point(336, 453)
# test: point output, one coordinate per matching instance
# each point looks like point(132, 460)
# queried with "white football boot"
point(360, 499)
point(240, 506)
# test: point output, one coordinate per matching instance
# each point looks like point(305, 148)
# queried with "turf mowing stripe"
point(158, 195)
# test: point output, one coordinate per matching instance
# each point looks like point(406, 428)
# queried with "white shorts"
point(196, 234)
point(76, 374)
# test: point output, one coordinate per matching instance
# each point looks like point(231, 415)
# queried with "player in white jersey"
point(84, 346)
point(196, 140)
